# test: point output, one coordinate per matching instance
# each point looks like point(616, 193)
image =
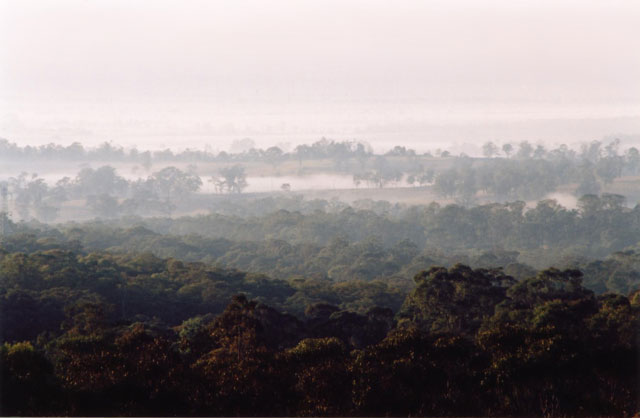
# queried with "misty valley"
point(320, 208)
point(326, 280)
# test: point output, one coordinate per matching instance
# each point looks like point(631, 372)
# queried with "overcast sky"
point(579, 59)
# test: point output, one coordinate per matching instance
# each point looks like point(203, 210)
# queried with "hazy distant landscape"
point(420, 123)
point(336, 208)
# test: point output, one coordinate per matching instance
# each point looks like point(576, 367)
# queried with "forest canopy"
point(100, 333)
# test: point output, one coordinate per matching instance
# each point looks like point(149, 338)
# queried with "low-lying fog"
point(418, 123)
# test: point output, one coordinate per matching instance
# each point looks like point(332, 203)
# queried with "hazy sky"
point(118, 70)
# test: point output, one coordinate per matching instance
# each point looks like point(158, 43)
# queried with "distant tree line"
point(107, 151)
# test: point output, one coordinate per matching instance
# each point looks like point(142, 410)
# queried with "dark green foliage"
point(415, 373)
point(454, 301)
point(27, 382)
point(111, 334)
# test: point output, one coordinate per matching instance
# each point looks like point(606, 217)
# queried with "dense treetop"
point(111, 335)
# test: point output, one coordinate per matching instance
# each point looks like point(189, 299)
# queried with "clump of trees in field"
point(531, 173)
point(106, 193)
